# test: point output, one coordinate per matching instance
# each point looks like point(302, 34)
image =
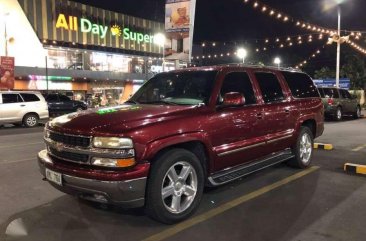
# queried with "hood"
point(118, 119)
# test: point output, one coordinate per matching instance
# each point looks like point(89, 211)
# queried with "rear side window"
point(11, 98)
point(345, 94)
point(64, 98)
point(330, 93)
point(30, 97)
point(52, 98)
point(270, 87)
point(239, 82)
point(301, 85)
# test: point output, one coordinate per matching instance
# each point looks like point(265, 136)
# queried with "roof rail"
point(261, 66)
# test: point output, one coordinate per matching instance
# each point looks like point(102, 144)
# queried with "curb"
point(322, 146)
point(355, 168)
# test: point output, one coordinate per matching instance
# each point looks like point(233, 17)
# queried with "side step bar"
point(231, 174)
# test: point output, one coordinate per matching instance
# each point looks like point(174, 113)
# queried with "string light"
point(306, 61)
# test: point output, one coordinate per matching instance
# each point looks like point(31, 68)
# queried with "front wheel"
point(175, 186)
point(357, 114)
point(303, 149)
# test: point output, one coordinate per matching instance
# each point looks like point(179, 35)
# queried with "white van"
point(22, 107)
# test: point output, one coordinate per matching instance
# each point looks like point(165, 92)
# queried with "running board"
point(234, 173)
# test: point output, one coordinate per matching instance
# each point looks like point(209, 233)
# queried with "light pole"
point(242, 53)
point(277, 61)
point(5, 15)
point(159, 39)
point(338, 47)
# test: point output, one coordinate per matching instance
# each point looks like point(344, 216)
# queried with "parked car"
point(339, 103)
point(61, 104)
point(183, 130)
point(22, 108)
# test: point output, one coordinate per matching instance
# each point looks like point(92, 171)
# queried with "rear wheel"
point(339, 114)
point(175, 186)
point(30, 120)
point(357, 114)
point(303, 149)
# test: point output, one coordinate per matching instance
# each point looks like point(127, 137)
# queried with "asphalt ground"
point(279, 203)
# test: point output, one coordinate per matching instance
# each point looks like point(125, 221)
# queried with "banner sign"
point(6, 73)
point(343, 83)
point(179, 24)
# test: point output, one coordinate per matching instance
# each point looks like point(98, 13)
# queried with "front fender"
point(154, 147)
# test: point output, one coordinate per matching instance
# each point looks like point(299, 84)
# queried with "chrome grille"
point(69, 156)
point(70, 140)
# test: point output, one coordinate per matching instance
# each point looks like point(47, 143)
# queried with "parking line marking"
point(33, 143)
point(226, 206)
point(16, 161)
point(359, 148)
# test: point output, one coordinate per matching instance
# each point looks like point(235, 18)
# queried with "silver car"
point(22, 107)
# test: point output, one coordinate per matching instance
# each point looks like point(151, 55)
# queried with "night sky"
point(234, 21)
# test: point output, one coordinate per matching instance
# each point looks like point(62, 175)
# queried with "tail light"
point(330, 101)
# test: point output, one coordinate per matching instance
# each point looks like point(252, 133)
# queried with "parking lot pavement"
point(279, 203)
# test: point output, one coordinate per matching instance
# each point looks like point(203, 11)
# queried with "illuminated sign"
point(86, 26)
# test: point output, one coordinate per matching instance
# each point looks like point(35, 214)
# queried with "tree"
point(324, 73)
point(355, 70)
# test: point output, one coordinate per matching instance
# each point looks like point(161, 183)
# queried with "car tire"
point(303, 149)
point(339, 114)
point(175, 186)
point(357, 114)
point(30, 120)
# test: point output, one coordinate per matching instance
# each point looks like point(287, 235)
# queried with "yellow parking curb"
point(327, 147)
point(355, 168)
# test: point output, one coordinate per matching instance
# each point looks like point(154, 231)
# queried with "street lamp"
point(159, 39)
point(277, 61)
point(242, 53)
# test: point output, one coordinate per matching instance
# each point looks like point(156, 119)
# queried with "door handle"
point(22, 105)
point(287, 111)
point(259, 116)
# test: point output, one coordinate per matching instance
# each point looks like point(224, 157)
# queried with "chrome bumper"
point(129, 193)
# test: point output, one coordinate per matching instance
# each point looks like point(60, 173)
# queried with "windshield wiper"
point(160, 102)
point(131, 102)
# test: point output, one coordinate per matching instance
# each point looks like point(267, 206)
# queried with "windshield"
point(186, 88)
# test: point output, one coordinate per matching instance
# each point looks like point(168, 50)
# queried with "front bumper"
point(126, 193)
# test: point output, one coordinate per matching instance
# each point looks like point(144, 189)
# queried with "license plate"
point(54, 177)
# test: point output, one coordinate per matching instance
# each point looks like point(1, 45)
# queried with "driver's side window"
point(238, 82)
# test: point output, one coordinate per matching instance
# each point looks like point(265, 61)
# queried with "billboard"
point(179, 25)
point(343, 83)
point(6, 73)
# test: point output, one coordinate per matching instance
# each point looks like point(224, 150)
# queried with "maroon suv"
point(181, 131)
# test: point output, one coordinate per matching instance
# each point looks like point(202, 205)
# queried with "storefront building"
point(65, 46)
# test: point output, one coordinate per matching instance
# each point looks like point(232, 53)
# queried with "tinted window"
point(52, 98)
point(30, 97)
point(64, 98)
point(185, 88)
point(270, 87)
point(239, 82)
point(329, 92)
point(345, 94)
point(301, 85)
point(11, 98)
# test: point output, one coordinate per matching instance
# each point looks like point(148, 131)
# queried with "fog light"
point(107, 162)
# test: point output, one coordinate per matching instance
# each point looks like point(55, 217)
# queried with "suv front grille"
point(70, 140)
point(69, 156)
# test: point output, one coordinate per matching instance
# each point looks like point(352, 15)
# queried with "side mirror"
point(233, 99)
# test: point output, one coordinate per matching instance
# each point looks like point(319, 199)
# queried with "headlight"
point(108, 162)
point(112, 142)
point(47, 133)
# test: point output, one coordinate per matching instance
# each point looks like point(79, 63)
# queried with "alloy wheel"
point(31, 121)
point(305, 148)
point(179, 187)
